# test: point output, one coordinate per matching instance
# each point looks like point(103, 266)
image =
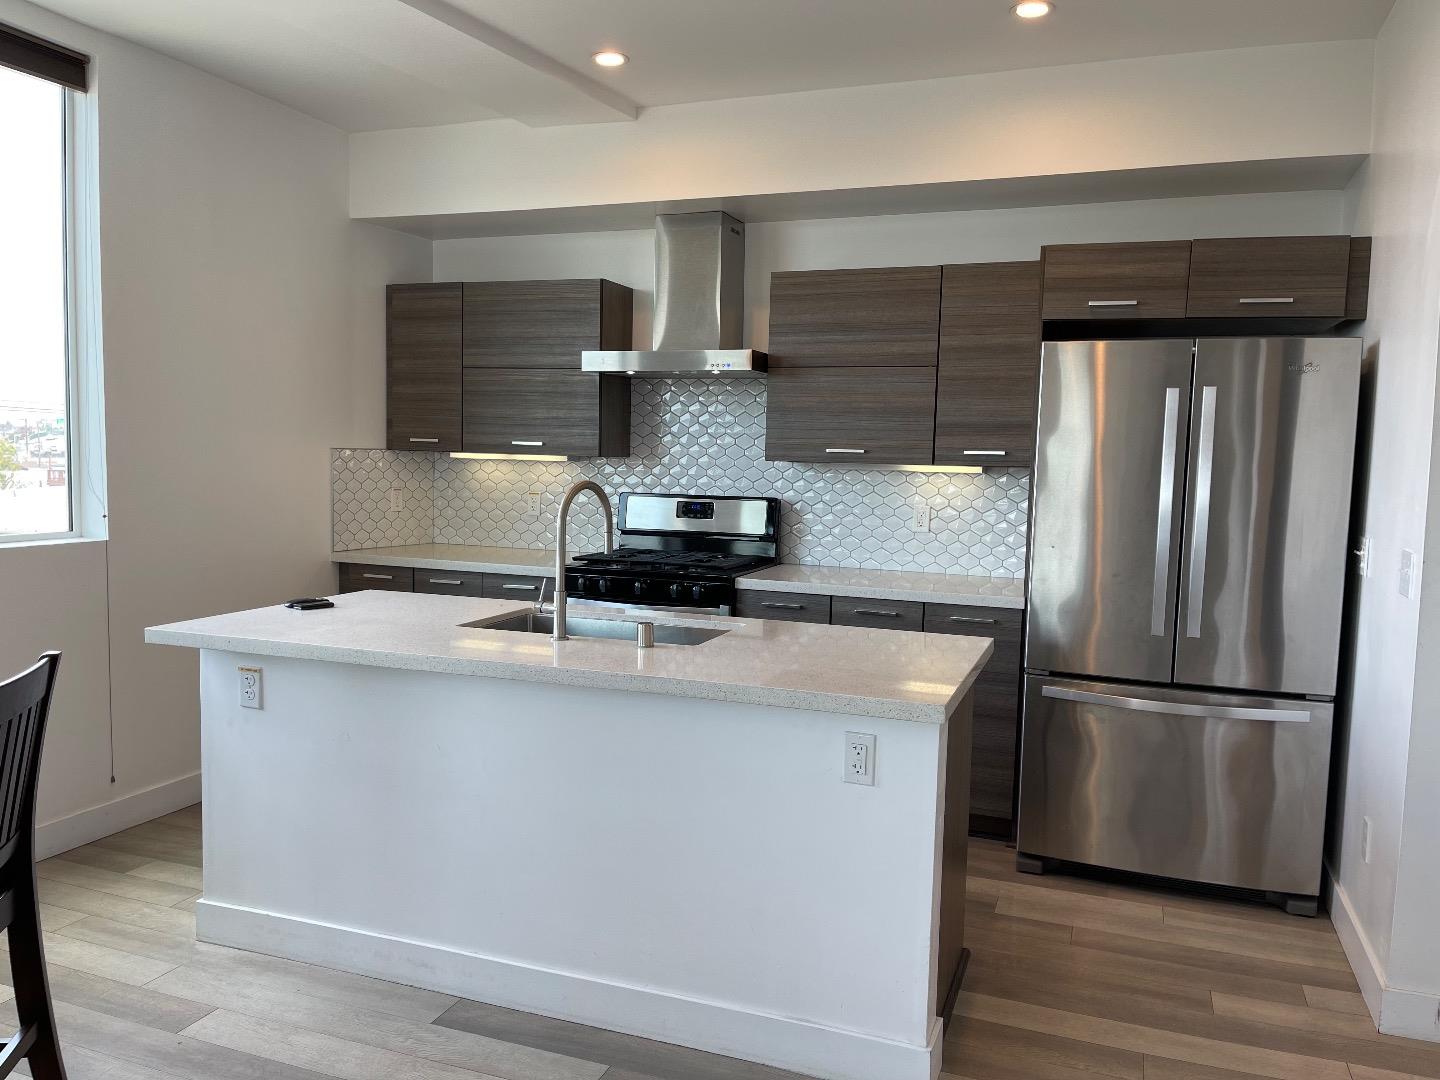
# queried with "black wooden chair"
point(24, 707)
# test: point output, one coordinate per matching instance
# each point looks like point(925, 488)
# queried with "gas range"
point(680, 551)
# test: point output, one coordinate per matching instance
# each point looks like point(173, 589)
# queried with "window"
point(36, 372)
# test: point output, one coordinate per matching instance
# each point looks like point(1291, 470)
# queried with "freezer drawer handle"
point(1164, 523)
point(1113, 303)
point(1200, 541)
point(1177, 708)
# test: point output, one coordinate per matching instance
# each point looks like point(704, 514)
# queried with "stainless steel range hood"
point(699, 303)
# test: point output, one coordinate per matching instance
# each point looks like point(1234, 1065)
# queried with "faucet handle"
point(540, 599)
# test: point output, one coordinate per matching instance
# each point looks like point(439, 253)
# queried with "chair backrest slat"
point(24, 708)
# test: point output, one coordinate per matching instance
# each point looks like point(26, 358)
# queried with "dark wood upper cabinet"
point(1117, 281)
point(543, 324)
point(854, 318)
point(422, 366)
point(1269, 276)
point(523, 389)
point(989, 364)
point(543, 411)
point(851, 415)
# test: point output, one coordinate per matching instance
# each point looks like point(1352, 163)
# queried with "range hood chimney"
point(699, 303)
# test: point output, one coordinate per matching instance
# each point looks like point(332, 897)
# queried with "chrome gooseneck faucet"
point(561, 557)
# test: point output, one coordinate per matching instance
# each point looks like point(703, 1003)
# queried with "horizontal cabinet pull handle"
point(1266, 300)
point(527, 442)
point(984, 453)
point(841, 450)
point(877, 612)
point(379, 577)
point(446, 581)
point(782, 607)
point(520, 588)
point(1113, 303)
point(1176, 708)
point(971, 619)
point(425, 440)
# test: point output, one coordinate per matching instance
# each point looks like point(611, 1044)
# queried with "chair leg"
point(32, 984)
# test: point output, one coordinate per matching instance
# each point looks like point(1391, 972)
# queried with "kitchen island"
point(659, 841)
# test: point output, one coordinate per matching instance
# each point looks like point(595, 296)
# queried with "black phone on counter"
point(310, 603)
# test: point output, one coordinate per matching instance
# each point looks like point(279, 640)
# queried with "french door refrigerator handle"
point(1176, 708)
point(1165, 519)
point(1199, 540)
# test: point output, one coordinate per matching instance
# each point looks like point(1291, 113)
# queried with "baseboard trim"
point(76, 829)
point(1394, 1012)
point(831, 1053)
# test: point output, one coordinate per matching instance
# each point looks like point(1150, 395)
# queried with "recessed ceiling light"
point(1033, 9)
point(609, 58)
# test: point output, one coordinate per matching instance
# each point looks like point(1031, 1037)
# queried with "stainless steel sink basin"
point(530, 623)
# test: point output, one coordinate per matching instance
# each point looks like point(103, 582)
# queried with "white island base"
point(687, 869)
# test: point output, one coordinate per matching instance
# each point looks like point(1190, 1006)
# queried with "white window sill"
point(8, 545)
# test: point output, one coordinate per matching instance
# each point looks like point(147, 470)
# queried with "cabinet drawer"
point(1269, 276)
point(514, 587)
point(539, 411)
point(879, 614)
point(784, 606)
point(996, 702)
point(449, 582)
point(355, 577)
point(851, 416)
point(867, 318)
point(422, 367)
point(1116, 281)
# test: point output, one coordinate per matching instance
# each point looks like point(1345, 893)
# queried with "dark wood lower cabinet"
point(997, 709)
point(996, 694)
point(784, 606)
point(543, 411)
point(877, 614)
point(851, 415)
point(449, 582)
point(355, 577)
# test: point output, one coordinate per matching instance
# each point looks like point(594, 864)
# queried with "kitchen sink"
point(530, 623)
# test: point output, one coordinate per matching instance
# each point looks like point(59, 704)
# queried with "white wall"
point(1273, 103)
point(243, 337)
point(895, 240)
point(1391, 756)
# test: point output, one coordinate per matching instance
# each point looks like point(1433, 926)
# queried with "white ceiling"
point(371, 64)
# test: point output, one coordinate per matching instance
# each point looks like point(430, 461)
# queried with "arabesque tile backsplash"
point(700, 436)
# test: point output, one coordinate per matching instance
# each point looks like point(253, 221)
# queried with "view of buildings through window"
point(35, 447)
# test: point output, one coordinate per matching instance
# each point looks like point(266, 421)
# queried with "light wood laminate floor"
point(1072, 979)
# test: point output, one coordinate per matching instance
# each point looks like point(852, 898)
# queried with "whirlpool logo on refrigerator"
point(1307, 367)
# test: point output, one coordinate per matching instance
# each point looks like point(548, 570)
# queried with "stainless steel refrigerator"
point(1190, 515)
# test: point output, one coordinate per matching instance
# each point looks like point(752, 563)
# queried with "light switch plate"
point(1407, 573)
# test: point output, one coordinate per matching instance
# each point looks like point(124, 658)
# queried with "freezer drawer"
point(1227, 789)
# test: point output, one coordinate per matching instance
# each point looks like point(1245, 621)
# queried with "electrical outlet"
point(534, 495)
point(859, 758)
point(1407, 573)
point(1362, 557)
point(1365, 831)
point(251, 688)
point(920, 515)
point(397, 501)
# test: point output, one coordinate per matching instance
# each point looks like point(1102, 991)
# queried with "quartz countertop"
point(889, 585)
point(485, 560)
point(885, 673)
